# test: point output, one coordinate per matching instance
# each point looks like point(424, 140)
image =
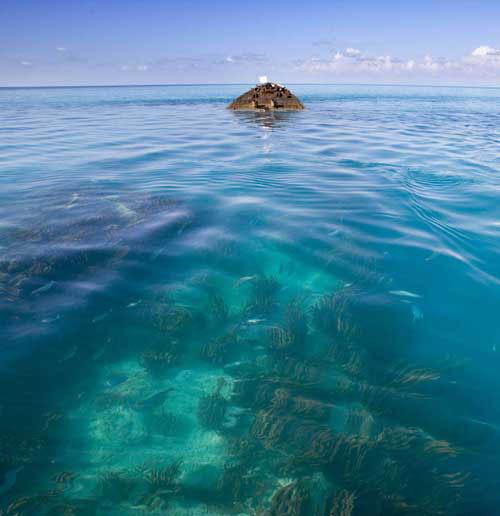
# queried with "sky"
point(99, 42)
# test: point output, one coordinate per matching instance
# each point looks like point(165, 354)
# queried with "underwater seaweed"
point(162, 486)
point(332, 315)
point(245, 390)
point(304, 497)
point(217, 309)
point(320, 446)
point(64, 479)
point(344, 504)
point(263, 295)
point(156, 361)
point(27, 505)
point(244, 449)
point(442, 449)
point(298, 372)
point(353, 360)
point(383, 401)
point(218, 350)
point(236, 484)
point(212, 409)
point(164, 479)
point(280, 340)
point(307, 408)
point(397, 439)
point(360, 421)
point(171, 319)
point(408, 376)
point(296, 321)
point(272, 429)
point(285, 402)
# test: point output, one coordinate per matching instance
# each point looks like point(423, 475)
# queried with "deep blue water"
point(210, 312)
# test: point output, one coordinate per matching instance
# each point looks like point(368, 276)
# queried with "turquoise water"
point(210, 312)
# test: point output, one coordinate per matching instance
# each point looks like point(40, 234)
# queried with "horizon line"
point(147, 85)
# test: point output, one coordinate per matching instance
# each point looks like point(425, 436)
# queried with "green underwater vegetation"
point(235, 385)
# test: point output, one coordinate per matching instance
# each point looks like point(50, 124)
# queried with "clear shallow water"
point(208, 312)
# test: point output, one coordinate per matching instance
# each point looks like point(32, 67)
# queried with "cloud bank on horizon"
point(73, 42)
point(480, 66)
point(482, 62)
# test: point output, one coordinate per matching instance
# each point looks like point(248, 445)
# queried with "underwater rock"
point(267, 97)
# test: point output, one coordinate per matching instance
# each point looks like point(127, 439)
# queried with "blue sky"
point(74, 42)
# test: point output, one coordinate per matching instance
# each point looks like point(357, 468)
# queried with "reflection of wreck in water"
point(266, 119)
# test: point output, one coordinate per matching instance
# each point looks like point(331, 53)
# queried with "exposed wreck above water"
point(267, 96)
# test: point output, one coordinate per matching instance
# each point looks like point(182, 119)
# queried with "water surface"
point(210, 312)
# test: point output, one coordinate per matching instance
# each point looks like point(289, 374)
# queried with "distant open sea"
point(214, 312)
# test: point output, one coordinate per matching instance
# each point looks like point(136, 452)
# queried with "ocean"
point(214, 312)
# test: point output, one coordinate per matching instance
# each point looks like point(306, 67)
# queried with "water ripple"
point(116, 202)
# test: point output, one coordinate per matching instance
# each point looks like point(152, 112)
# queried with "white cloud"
point(347, 53)
point(241, 59)
point(352, 52)
point(26, 63)
point(137, 68)
point(484, 58)
point(410, 65)
point(429, 64)
point(484, 61)
point(486, 51)
point(61, 49)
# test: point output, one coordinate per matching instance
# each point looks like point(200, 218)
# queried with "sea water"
point(212, 312)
